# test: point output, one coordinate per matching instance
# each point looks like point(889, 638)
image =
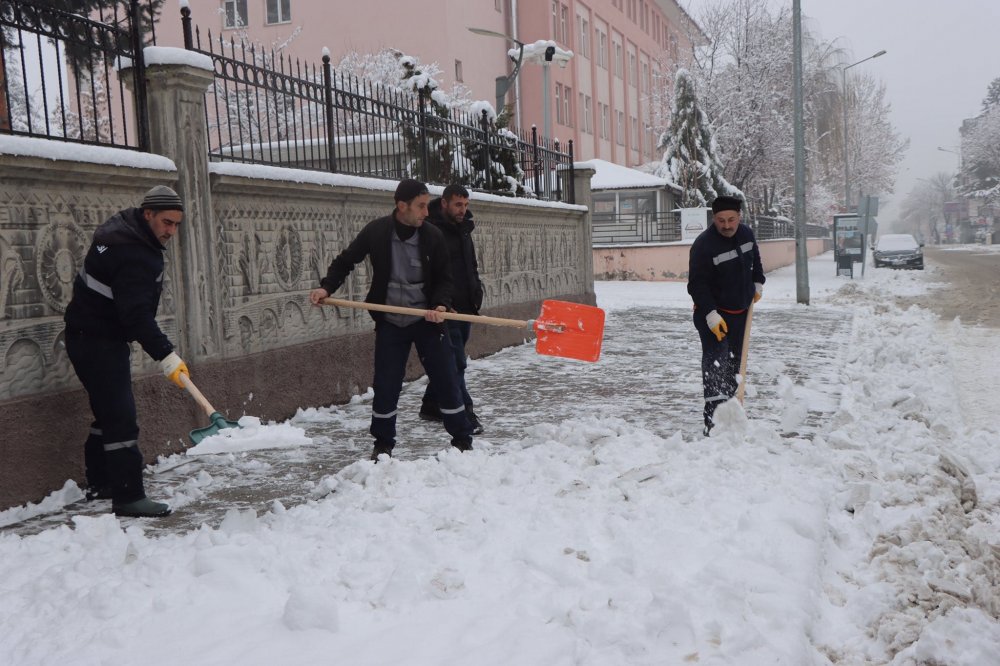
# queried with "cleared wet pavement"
point(648, 375)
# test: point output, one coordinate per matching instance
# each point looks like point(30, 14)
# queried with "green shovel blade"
point(218, 423)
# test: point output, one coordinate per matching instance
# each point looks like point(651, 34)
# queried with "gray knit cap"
point(162, 197)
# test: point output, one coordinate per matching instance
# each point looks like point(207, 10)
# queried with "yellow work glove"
point(758, 291)
point(173, 367)
point(717, 325)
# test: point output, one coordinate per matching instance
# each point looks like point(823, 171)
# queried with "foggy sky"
point(941, 56)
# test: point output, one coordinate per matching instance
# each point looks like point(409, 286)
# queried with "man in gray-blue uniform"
point(725, 276)
point(410, 268)
point(115, 298)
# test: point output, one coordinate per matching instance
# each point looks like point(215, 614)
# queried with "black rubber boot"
point(141, 508)
point(98, 493)
point(477, 425)
point(430, 412)
point(380, 449)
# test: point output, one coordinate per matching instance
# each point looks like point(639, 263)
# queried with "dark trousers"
point(111, 452)
point(392, 348)
point(720, 360)
point(458, 337)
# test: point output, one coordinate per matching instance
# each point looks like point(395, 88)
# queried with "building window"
point(279, 11)
point(588, 121)
point(619, 65)
point(458, 70)
point(620, 128)
point(645, 82)
point(633, 72)
point(602, 49)
point(564, 24)
point(498, 5)
point(604, 121)
point(568, 106)
point(559, 107)
point(635, 133)
point(235, 13)
point(583, 43)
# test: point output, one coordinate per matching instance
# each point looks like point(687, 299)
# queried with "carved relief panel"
point(44, 236)
point(274, 253)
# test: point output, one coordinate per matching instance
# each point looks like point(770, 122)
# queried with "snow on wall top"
point(63, 150)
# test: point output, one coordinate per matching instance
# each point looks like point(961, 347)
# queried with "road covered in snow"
point(847, 516)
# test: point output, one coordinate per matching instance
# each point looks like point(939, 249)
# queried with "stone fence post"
point(581, 187)
point(178, 130)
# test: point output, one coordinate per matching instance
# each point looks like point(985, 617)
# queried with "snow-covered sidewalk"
point(850, 520)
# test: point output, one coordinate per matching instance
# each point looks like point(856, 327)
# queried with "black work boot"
point(430, 412)
point(141, 508)
point(98, 493)
point(477, 425)
point(380, 448)
point(462, 444)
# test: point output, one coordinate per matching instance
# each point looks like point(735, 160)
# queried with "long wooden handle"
point(416, 312)
point(743, 357)
point(198, 397)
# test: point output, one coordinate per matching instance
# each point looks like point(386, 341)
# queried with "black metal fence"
point(665, 227)
point(60, 73)
point(265, 108)
point(662, 227)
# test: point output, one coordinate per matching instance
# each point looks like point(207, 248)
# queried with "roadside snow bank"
point(911, 563)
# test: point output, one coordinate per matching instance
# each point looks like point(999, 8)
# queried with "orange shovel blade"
point(570, 330)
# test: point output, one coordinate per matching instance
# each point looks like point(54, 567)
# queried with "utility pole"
point(801, 235)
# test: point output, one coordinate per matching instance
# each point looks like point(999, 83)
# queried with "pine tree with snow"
point(689, 150)
point(435, 110)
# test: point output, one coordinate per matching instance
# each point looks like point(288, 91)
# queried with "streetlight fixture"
point(843, 81)
point(503, 83)
point(541, 52)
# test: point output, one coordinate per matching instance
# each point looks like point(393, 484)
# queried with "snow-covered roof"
point(611, 176)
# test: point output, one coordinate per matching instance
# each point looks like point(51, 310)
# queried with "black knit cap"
point(727, 203)
point(162, 197)
point(409, 189)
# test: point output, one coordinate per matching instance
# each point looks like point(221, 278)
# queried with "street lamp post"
point(843, 82)
point(503, 83)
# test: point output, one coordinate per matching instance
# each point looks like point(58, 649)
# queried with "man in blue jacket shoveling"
point(115, 298)
point(725, 276)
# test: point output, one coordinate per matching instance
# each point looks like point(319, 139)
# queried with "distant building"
point(623, 50)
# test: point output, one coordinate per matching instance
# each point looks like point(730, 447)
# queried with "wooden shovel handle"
point(743, 357)
point(416, 312)
point(198, 397)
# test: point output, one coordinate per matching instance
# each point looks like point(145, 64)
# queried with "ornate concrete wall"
point(669, 261)
point(235, 290)
point(271, 241)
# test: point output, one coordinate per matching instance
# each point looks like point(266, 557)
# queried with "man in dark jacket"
point(725, 276)
point(410, 268)
point(115, 298)
point(451, 214)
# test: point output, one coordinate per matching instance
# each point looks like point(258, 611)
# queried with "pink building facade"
point(623, 50)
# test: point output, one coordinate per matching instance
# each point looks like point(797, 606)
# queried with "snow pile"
point(911, 560)
point(251, 435)
point(864, 536)
point(55, 501)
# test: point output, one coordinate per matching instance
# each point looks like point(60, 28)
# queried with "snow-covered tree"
point(981, 149)
point(874, 148)
point(689, 149)
point(922, 213)
point(744, 73)
point(981, 154)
